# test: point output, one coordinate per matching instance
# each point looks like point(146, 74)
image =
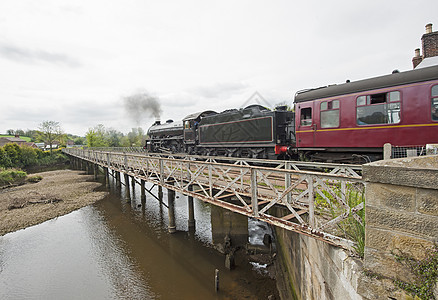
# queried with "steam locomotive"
point(349, 122)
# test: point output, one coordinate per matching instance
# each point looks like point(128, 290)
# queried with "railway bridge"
point(314, 199)
point(317, 211)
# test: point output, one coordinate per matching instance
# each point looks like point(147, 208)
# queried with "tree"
point(10, 132)
point(96, 137)
point(50, 131)
point(135, 138)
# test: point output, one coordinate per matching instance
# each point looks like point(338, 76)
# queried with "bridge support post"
point(127, 191)
point(95, 171)
point(89, 169)
point(107, 177)
point(171, 210)
point(191, 210)
point(160, 193)
point(142, 190)
point(118, 180)
point(133, 182)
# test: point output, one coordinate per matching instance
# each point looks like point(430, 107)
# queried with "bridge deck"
point(314, 203)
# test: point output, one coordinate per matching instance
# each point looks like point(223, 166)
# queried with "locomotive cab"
point(190, 131)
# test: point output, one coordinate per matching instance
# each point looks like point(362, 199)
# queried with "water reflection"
point(65, 257)
point(121, 250)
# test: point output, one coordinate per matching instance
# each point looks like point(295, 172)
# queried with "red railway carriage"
point(336, 121)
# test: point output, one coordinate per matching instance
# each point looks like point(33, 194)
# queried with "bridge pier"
point(133, 182)
point(142, 190)
point(171, 210)
point(228, 229)
point(95, 171)
point(118, 180)
point(107, 177)
point(89, 168)
point(191, 221)
point(127, 190)
point(160, 193)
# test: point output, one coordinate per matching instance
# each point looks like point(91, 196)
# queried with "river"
point(119, 249)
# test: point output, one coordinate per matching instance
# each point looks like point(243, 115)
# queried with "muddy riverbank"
point(58, 193)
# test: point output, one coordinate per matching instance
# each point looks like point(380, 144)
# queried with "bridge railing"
point(319, 204)
point(332, 168)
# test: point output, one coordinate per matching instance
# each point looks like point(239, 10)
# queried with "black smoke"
point(142, 105)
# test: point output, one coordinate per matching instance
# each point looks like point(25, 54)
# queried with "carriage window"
point(330, 114)
point(382, 108)
point(435, 103)
point(306, 116)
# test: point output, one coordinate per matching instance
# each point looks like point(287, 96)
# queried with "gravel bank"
point(58, 193)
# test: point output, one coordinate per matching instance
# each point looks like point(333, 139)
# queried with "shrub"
point(5, 161)
point(13, 151)
point(35, 178)
point(12, 155)
point(28, 156)
point(12, 176)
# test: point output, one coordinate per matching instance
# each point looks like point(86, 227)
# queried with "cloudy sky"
point(76, 62)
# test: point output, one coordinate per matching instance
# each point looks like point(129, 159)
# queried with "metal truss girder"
point(249, 190)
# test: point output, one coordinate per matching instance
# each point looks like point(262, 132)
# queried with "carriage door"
point(305, 128)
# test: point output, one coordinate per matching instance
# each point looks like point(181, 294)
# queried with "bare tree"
point(50, 131)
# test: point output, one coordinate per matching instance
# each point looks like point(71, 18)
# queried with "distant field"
point(27, 139)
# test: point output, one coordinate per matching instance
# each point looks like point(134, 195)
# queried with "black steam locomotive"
point(253, 131)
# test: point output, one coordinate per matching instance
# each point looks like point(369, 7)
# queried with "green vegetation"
point(14, 156)
point(26, 138)
point(350, 228)
point(99, 136)
point(50, 132)
point(425, 271)
point(34, 178)
point(11, 176)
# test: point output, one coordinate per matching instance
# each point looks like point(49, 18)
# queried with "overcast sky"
point(76, 61)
